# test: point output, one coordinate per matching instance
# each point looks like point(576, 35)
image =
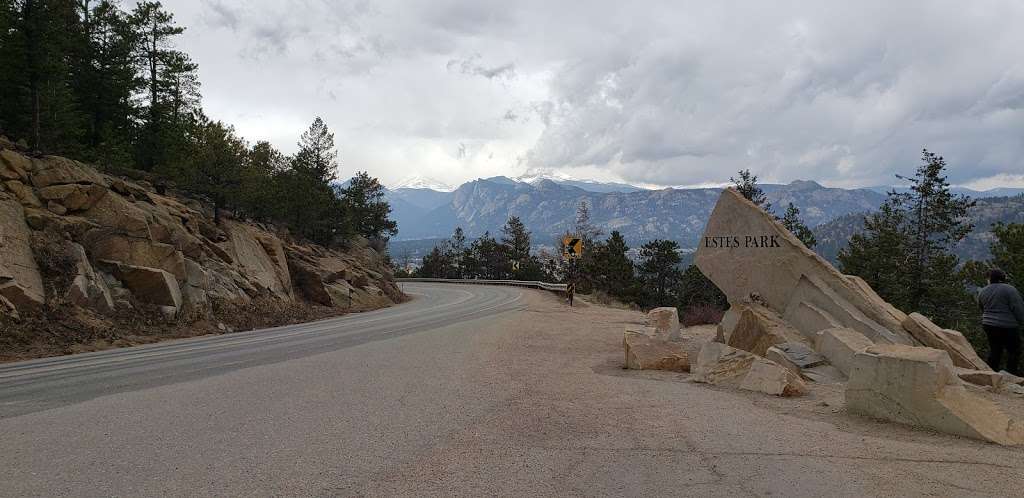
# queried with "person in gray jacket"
point(1002, 316)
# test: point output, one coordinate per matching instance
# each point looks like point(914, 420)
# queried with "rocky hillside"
point(549, 208)
point(89, 260)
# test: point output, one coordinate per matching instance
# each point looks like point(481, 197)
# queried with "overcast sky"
point(663, 93)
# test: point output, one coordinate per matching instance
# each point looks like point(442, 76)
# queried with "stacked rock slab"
point(918, 386)
point(645, 351)
point(750, 256)
point(719, 364)
point(759, 328)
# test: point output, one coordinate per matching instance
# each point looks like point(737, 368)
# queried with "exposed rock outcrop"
point(126, 243)
point(20, 281)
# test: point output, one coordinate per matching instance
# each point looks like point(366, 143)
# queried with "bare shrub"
point(701, 314)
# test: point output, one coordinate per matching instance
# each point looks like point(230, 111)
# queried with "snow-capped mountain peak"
point(420, 182)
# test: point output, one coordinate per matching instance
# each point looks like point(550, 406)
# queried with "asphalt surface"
point(31, 386)
point(465, 391)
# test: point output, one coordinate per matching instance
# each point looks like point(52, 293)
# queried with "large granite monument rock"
point(782, 295)
point(752, 257)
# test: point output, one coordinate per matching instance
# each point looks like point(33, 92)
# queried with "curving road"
point(464, 391)
point(35, 385)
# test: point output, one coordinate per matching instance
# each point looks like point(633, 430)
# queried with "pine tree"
point(37, 79)
point(316, 156)
point(364, 203)
point(791, 220)
point(905, 252)
point(747, 186)
point(695, 290)
point(614, 271)
point(1008, 251)
point(164, 72)
point(659, 271)
point(218, 164)
point(516, 239)
point(106, 82)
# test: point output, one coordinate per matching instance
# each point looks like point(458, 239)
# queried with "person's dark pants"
point(1003, 339)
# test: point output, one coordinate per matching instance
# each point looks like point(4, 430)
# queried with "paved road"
point(469, 391)
point(31, 386)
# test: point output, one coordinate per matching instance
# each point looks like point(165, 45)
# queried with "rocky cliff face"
point(82, 249)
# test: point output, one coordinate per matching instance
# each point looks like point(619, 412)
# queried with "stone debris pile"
point(795, 319)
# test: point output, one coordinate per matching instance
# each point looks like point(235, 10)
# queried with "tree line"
point(905, 251)
point(90, 80)
point(656, 278)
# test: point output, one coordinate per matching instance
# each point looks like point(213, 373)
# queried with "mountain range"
point(427, 211)
point(548, 207)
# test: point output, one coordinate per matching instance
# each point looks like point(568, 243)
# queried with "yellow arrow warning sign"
point(572, 247)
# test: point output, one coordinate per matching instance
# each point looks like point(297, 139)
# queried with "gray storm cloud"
point(669, 93)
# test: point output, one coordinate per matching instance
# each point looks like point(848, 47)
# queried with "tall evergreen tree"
point(516, 239)
point(659, 271)
point(364, 203)
point(905, 252)
point(38, 56)
point(1008, 251)
point(614, 271)
point(791, 220)
point(316, 157)
point(219, 161)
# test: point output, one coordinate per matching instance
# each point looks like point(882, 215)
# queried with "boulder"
point(73, 197)
point(665, 321)
point(718, 363)
point(759, 328)
point(107, 244)
point(149, 285)
point(654, 353)
point(246, 249)
point(20, 281)
point(841, 345)
point(950, 341)
point(771, 378)
point(114, 211)
point(56, 208)
point(917, 386)
point(54, 170)
point(14, 166)
point(309, 283)
point(746, 253)
point(75, 226)
point(88, 289)
point(24, 193)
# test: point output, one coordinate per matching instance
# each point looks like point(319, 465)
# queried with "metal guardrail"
point(514, 283)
